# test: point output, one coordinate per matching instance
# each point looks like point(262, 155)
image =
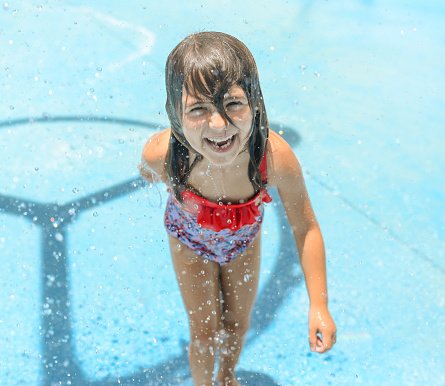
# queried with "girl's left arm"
point(289, 180)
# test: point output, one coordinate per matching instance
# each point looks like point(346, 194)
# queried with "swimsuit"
point(216, 231)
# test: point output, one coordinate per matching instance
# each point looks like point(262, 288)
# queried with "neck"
point(241, 161)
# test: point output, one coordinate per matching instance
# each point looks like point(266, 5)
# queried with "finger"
point(313, 339)
point(334, 338)
point(320, 346)
point(327, 344)
point(322, 349)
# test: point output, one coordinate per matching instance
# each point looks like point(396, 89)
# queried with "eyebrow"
point(192, 100)
point(236, 94)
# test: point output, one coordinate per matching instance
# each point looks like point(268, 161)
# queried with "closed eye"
point(234, 106)
point(197, 111)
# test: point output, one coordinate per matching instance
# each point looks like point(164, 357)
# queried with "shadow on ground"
point(59, 362)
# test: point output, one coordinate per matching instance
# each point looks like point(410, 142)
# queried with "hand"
point(321, 323)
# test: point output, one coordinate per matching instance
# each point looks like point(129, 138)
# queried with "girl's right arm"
point(285, 172)
point(152, 165)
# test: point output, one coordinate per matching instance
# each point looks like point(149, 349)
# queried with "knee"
point(238, 327)
point(203, 334)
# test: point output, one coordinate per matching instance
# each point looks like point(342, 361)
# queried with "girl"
point(218, 159)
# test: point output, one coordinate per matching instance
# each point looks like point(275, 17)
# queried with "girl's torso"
point(227, 184)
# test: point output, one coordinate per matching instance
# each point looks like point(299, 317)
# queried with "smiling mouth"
point(221, 144)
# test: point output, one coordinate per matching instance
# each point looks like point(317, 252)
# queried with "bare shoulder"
point(282, 164)
point(155, 151)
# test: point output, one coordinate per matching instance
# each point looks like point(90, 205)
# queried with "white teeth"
point(220, 140)
point(226, 145)
point(217, 141)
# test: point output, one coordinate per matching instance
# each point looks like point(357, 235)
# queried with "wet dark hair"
point(206, 65)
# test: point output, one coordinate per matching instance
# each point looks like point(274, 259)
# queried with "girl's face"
point(206, 131)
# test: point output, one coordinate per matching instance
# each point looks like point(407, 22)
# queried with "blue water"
point(87, 290)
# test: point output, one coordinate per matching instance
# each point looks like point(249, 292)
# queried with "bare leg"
point(239, 285)
point(198, 281)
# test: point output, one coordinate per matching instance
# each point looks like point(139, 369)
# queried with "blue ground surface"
point(87, 291)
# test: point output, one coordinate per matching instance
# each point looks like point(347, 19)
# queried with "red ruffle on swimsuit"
point(218, 216)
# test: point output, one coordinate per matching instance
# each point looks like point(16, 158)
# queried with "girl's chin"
point(219, 159)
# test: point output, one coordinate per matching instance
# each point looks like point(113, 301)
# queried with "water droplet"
point(51, 279)
point(99, 69)
point(95, 214)
point(209, 302)
point(75, 190)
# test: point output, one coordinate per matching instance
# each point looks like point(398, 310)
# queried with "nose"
point(216, 121)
